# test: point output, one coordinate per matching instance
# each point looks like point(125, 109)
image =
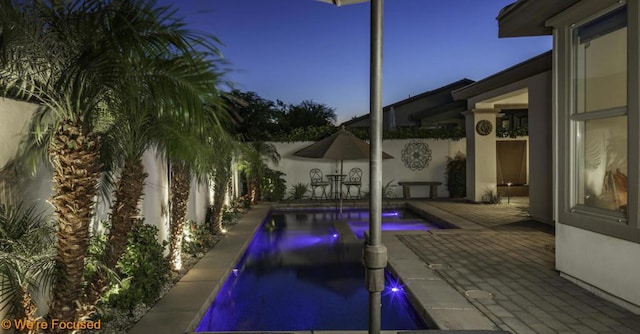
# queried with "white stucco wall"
point(297, 169)
point(605, 262)
point(481, 161)
point(155, 204)
point(14, 122)
point(14, 118)
point(198, 201)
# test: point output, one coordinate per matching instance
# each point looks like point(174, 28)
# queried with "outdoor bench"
point(433, 187)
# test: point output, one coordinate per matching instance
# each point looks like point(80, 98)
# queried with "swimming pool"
point(303, 271)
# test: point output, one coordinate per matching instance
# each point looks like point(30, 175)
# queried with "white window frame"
point(565, 121)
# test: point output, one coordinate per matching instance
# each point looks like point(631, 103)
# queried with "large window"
point(599, 115)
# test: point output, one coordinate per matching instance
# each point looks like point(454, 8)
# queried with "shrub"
point(314, 133)
point(197, 238)
point(273, 186)
point(142, 268)
point(241, 202)
point(492, 198)
point(299, 191)
point(456, 175)
point(26, 259)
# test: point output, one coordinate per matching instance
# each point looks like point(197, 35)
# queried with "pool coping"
point(440, 304)
point(181, 309)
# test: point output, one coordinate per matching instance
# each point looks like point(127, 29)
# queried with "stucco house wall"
point(597, 251)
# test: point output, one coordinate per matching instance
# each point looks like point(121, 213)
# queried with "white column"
point(481, 153)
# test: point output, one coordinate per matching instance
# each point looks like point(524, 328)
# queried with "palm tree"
point(26, 260)
point(253, 159)
point(221, 183)
point(71, 57)
point(141, 125)
point(49, 58)
point(193, 156)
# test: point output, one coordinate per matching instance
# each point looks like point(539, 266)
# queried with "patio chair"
point(354, 179)
point(317, 181)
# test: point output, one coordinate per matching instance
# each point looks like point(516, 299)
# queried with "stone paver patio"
point(507, 269)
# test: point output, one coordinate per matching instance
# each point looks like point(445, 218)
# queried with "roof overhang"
point(527, 17)
point(521, 71)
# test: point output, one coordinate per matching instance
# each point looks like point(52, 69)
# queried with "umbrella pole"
point(375, 254)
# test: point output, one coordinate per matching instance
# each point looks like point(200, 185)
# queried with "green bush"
point(456, 175)
point(491, 197)
point(512, 133)
point(315, 133)
point(197, 238)
point(27, 255)
point(299, 191)
point(143, 270)
point(273, 187)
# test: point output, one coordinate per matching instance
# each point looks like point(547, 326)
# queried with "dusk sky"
point(295, 50)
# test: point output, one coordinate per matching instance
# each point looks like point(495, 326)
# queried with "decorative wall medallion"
point(416, 155)
point(484, 127)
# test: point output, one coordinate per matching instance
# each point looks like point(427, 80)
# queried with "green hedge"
point(317, 133)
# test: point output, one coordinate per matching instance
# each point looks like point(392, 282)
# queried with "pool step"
point(343, 229)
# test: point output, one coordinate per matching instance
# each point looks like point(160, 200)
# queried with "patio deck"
point(496, 272)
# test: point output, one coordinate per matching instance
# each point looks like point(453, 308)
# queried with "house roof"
point(528, 68)
point(441, 113)
point(527, 17)
point(450, 87)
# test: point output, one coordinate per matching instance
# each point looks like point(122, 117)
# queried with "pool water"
point(303, 271)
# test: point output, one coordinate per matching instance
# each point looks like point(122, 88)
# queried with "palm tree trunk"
point(27, 310)
point(74, 154)
point(180, 186)
point(221, 187)
point(124, 214)
point(253, 190)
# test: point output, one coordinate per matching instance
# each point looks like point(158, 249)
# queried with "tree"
point(176, 125)
point(309, 113)
point(26, 260)
point(48, 57)
point(252, 164)
point(82, 61)
point(195, 158)
point(255, 118)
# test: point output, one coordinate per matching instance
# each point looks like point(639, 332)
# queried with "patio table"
point(335, 180)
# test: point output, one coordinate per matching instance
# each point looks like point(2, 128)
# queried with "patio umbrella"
point(342, 145)
point(342, 2)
